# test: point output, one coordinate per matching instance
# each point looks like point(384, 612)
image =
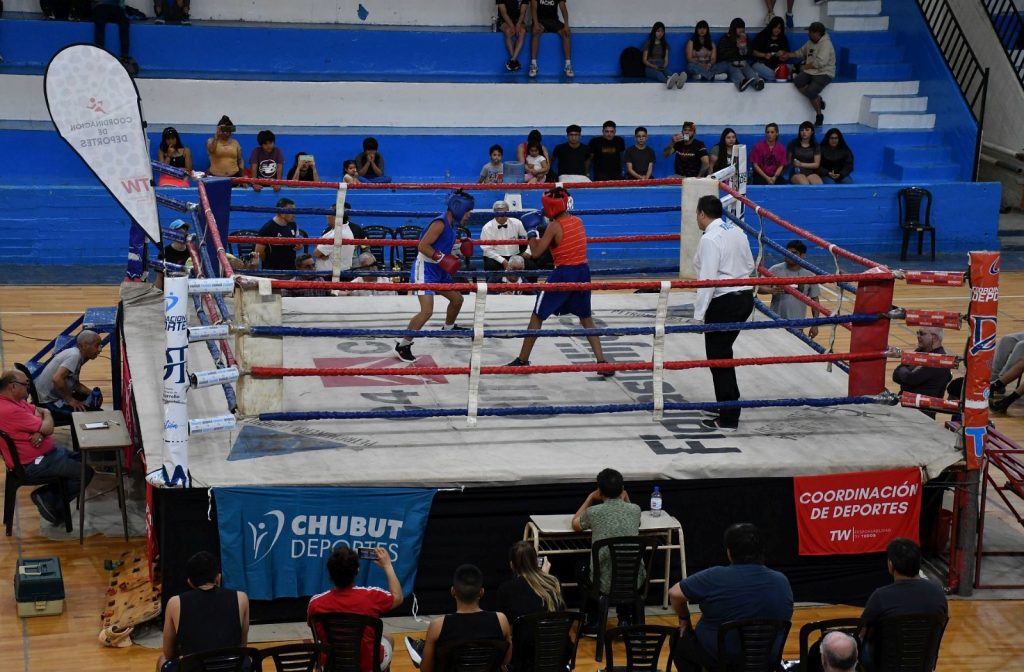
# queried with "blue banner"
point(274, 542)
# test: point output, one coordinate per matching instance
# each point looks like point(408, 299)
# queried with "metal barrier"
point(1009, 27)
point(970, 75)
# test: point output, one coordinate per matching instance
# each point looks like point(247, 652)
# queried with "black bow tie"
point(502, 226)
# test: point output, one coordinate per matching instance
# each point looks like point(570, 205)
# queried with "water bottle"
point(656, 502)
point(95, 400)
point(494, 23)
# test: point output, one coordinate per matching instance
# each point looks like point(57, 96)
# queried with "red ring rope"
point(447, 186)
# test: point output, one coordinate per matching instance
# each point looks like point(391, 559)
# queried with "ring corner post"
point(689, 235)
point(873, 296)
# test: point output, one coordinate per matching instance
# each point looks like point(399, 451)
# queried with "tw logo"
point(840, 535)
point(135, 185)
point(262, 530)
point(983, 334)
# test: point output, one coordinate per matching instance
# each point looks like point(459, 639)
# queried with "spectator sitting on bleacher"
point(533, 136)
point(502, 227)
point(266, 162)
point(281, 225)
point(721, 153)
point(691, 154)
point(606, 153)
point(224, 151)
point(767, 46)
point(173, 11)
point(734, 50)
point(655, 55)
point(172, 152)
point(702, 56)
point(370, 163)
point(346, 597)
point(304, 168)
point(112, 11)
point(323, 253)
point(366, 263)
point(58, 384)
point(545, 20)
point(819, 67)
point(804, 156)
point(536, 168)
point(468, 623)
point(571, 157)
point(768, 158)
point(350, 173)
point(512, 22)
point(836, 159)
point(494, 170)
point(640, 158)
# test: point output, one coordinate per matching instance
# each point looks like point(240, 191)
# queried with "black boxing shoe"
point(404, 352)
point(518, 362)
point(605, 374)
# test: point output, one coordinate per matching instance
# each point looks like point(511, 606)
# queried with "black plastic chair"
point(544, 642)
point(915, 212)
point(383, 254)
point(643, 645)
point(810, 653)
point(303, 657)
point(16, 477)
point(244, 251)
point(907, 643)
point(759, 642)
point(233, 659)
point(474, 655)
point(341, 636)
point(404, 256)
point(629, 571)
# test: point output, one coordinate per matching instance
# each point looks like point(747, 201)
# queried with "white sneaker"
point(533, 70)
point(768, 18)
point(415, 648)
point(682, 77)
point(721, 77)
point(671, 81)
point(568, 71)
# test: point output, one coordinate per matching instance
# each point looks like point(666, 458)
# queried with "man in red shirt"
point(343, 566)
point(31, 429)
point(567, 240)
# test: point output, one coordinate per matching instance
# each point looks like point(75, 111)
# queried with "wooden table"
point(553, 535)
point(112, 437)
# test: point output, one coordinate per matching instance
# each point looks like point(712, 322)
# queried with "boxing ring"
point(321, 400)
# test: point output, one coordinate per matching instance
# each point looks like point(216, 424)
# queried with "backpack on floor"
point(632, 62)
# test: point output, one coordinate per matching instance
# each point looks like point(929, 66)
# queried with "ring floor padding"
point(529, 449)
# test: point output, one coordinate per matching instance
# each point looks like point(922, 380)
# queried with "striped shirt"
point(572, 251)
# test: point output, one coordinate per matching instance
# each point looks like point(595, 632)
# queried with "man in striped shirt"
point(567, 240)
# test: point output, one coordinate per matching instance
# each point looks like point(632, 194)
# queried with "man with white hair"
point(365, 263)
point(924, 380)
point(58, 386)
point(502, 227)
point(838, 652)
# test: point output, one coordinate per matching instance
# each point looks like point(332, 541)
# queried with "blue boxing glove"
point(532, 233)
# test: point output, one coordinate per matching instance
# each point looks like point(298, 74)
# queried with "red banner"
point(981, 346)
point(838, 514)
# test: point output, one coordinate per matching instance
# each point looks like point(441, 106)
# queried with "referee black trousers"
point(731, 307)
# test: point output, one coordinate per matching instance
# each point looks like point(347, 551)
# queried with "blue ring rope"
point(324, 332)
point(204, 319)
point(209, 269)
point(760, 305)
point(575, 410)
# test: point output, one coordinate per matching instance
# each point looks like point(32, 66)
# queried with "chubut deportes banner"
point(96, 108)
point(274, 542)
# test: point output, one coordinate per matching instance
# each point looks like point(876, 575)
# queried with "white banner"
point(96, 108)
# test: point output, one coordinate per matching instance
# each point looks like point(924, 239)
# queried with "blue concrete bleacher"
point(58, 193)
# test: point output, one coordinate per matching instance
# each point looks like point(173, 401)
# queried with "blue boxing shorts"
point(428, 272)
point(565, 303)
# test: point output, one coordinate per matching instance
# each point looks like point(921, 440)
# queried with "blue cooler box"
point(39, 587)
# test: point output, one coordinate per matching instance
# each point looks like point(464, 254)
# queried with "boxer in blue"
point(436, 264)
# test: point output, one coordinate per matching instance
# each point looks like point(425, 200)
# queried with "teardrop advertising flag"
point(96, 109)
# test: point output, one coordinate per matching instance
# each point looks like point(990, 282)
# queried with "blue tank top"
point(445, 242)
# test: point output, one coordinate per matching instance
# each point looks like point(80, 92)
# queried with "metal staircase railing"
point(1009, 26)
point(967, 70)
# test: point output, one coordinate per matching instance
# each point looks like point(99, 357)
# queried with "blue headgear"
point(534, 219)
point(459, 203)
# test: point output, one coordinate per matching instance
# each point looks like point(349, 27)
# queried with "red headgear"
point(555, 202)
point(782, 73)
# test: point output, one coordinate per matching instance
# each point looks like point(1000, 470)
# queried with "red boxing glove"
point(466, 248)
point(447, 262)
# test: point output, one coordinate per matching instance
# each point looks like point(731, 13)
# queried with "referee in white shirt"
point(723, 253)
point(502, 227)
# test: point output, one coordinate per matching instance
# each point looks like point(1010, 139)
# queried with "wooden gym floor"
point(983, 634)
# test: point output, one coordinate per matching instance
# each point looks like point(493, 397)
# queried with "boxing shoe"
point(404, 352)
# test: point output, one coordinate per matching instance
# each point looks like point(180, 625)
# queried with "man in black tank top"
point(204, 618)
point(469, 622)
